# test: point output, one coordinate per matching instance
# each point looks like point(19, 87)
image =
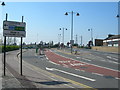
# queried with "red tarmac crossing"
point(67, 62)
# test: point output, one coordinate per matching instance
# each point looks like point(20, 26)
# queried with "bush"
point(10, 48)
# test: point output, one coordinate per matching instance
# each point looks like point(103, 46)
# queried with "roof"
point(113, 37)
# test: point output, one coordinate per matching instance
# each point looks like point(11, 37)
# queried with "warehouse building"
point(112, 40)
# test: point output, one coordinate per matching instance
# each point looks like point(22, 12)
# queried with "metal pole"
point(21, 54)
point(92, 36)
point(81, 40)
point(63, 36)
point(71, 29)
point(4, 54)
point(5, 49)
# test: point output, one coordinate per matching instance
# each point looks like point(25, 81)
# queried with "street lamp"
point(91, 35)
point(3, 4)
point(77, 14)
point(63, 34)
point(117, 16)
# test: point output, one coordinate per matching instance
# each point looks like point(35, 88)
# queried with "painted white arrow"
point(83, 77)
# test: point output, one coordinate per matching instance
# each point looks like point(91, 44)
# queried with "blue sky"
point(44, 19)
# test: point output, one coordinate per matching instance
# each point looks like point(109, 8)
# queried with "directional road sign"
point(14, 29)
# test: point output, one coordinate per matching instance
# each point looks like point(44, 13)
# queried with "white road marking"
point(113, 62)
point(64, 61)
point(77, 57)
point(82, 70)
point(98, 74)
point(83, 77)
point(77, 69)
point(53, 63)
point(117, 78)
point(77, 64)
point(112, 58)
point(86, 59)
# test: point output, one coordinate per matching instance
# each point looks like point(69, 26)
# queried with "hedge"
point(9, 48)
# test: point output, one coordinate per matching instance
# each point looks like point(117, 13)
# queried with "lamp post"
point(118, 17)
point(77, 14)
point(3, 4)
point(63, 34)
point(91, 35)
point(59, 39)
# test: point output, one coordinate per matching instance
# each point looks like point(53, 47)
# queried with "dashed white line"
point(113, 62)
point(112, 58)
point(98, 74)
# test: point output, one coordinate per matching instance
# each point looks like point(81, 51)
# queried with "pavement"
point(33, 78)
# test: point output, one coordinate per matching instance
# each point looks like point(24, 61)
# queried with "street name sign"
point(14, 29)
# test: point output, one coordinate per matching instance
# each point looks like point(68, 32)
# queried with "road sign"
point(14, 29)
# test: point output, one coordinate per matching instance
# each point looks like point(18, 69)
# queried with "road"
point(88, 68)
point(34, 77)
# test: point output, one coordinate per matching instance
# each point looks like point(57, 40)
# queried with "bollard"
point(36, 50)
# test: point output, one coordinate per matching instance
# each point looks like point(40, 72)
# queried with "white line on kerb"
point(86, 78)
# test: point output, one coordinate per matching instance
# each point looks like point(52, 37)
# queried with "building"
point(112, 40)
point(98, 42)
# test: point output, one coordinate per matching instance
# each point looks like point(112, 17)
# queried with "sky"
point(43, 19)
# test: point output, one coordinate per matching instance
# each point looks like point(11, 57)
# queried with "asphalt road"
point(94, 80)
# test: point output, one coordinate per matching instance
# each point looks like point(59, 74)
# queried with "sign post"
point(13, 29)
point(21, 52)
point(5, 49)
